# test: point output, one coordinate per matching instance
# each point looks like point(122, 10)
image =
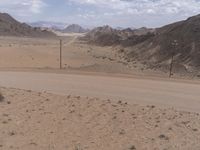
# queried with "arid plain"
point(97, 101)
point(77, 55)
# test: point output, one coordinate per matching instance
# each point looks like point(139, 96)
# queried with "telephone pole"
point(60, 54)
point(174, 44)
point(171, 67)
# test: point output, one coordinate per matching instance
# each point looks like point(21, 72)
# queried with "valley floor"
point(96, 102)
point(44, 54)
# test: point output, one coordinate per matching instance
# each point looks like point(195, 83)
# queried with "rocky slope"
point(180, 40)
point(107, 36)
point(11, 27)
point(155, 47)
point(104, 36)
point(74, 28)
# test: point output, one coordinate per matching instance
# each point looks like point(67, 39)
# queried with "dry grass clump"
point(1, 97)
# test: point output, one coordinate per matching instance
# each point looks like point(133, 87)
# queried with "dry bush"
point(1, 97)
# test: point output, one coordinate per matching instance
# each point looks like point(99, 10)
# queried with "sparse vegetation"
point(1, 97)
point(132, 147)
point(163, 137)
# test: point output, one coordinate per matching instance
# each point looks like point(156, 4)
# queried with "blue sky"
point(124, 13)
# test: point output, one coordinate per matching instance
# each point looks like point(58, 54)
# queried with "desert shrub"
point(1, 97)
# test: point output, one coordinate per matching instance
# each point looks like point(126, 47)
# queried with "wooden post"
point(171, 67)
point(174, 44)
point(60, 54)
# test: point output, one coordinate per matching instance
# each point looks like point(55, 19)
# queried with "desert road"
point(184, 96)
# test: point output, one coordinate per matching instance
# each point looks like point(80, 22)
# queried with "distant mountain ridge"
point(104, 36)
point(74, 28)
point(108, 36)
point(49, 24)
point(11, 27)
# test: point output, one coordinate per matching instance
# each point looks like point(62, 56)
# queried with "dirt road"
point(184, 96)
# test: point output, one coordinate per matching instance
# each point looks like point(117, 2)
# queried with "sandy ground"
point(31, 120)
point(173, 93)
point(32, 53)
point(44, 53)
point(69, 34)
point(94, 105)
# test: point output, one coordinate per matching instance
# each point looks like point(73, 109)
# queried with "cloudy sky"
point(124, 13)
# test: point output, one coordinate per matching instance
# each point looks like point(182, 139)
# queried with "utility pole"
point(171, 67)
point(60, 54)
point(174, 44)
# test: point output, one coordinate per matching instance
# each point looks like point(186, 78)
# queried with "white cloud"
point(137, 13)
point(146, 6)
point(22, 7)
point(36, 6)
point(124, 13)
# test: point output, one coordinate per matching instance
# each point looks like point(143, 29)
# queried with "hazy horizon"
point(92, 13)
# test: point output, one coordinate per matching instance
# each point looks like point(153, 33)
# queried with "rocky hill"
point(180, 40)
point(11, 27)
point(104, 36)
point(155, 47)
point(74, 28)
point(107, 36)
